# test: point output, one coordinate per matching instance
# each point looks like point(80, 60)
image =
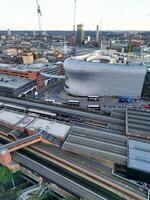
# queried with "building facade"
point(103, 79)
point(80, 34)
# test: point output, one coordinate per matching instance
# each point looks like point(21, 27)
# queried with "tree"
point(5, 175)
point(66, 198)
point(2, 189)
point(35, 196)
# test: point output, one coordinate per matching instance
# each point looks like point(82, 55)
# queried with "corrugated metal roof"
point(97, 144)
point(139, 155)
point(139, 123)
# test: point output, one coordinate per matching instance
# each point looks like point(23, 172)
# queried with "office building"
point(80, 34)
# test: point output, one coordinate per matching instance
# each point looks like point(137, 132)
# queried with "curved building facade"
point(84, 78)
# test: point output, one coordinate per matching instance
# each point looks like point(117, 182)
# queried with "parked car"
point(147, 106)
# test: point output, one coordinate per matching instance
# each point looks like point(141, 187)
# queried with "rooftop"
point(9, 117)
point(24, 68)
point(51, 127)
point(114, 57)
point(139, 155)
point(34, 123)
point(13, 82)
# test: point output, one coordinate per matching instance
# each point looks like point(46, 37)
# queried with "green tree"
point(2, 189)
point(66, 198)
point(35, 196)
point(5, 175)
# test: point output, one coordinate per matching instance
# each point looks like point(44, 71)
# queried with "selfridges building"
point(102, 77)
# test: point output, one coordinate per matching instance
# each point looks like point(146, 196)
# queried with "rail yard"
point(75, 153)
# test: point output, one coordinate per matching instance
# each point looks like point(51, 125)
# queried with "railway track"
point(60, 110)
point(102, 180)
point(60, 118)
point(68, 181)
point(122, 189)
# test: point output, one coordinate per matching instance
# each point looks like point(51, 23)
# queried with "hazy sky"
point(58, 14)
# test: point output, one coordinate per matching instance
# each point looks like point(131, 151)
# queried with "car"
point(147, 106)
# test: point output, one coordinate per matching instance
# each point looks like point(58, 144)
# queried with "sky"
point(58, 14)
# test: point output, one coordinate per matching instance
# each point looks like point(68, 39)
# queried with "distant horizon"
point(72, 30)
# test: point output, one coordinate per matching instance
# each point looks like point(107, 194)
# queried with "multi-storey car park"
point(32, 72)
point(13, 86)
point(96, 161)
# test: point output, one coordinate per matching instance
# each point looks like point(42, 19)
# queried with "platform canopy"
point(139, 155)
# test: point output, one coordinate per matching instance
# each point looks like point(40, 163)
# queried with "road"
point(57, 93)
point(62, 110)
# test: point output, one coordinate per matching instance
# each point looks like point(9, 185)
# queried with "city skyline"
point(58, 15)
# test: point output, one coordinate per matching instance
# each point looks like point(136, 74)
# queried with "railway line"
point(100, 180)
point(58, 117)
point(104, 134)
point(71, 183)
point(60, 110)
point(90, 139)
point(96, 144)
point(63, 118)
point(77, 187)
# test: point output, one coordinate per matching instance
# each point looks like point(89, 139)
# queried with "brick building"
point(32, 72)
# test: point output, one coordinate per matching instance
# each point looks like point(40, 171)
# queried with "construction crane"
point(39, 14)
point(74, 30)
point(74, 19)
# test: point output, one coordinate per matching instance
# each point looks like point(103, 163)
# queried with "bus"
point(125, 99)
point(53, 101)
point(50, 100)
point(93, 98)
point(95, 107)
point(73, 102)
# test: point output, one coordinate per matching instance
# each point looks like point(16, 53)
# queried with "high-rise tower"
point(97, 34)
point(80, 34)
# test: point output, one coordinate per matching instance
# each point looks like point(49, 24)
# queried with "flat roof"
point(52, 127)
point(25, 68)
point(96, 144)
point(26, 121)
point(139, 155)
point(13, 82)
point(34, 123)
point(10, 117)
point(139, 123)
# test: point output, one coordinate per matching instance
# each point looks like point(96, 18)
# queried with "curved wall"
point(88, 78)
